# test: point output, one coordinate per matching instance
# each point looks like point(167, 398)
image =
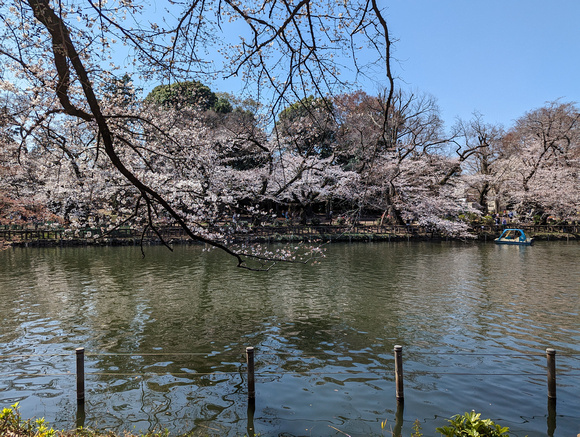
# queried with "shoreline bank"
point(271, 235)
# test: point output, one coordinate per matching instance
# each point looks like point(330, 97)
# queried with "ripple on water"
point(474, 321)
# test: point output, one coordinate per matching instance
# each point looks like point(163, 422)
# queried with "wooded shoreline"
point(283, 233)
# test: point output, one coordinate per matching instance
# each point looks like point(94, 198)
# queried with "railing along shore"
point(277, 232)
point(255, 358)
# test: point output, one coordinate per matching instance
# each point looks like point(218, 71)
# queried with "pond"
point(165, 338)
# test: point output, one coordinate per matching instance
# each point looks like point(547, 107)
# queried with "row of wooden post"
point(399, 386)
point(399, 390)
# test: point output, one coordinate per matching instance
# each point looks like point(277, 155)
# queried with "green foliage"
point(310, 124)
point(122, 88)
point(469, 217)
point(417, 429)
point(303, 108)
point(189, 93)
point(472, 425)
point(11, 424)
point(488, 220)
point(222, 106)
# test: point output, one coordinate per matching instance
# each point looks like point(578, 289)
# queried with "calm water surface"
point(165, 338)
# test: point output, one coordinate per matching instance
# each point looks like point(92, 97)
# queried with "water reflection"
point(323, 336)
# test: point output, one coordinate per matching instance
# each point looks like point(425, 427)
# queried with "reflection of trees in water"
point(315, 329)
point(153, 401)
point(323, 350)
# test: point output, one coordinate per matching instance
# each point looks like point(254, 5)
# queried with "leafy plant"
point(416, 429)
point(12, 424)
point(472, 425)
point(488, 220)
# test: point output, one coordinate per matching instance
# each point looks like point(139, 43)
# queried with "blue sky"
point(501, 58)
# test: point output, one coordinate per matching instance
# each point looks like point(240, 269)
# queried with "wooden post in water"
point(251, 381)
point(250, 414)
point(551, 356)
point(80, 352)
point(551, 417)
point(399, 373)
point(399, 419)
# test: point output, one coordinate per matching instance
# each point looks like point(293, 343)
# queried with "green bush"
point(11, 424)
point(488, 220)
point(472, 425)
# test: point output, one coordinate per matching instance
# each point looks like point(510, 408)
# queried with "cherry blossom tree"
point(542, 158)
point(19, 202)
point(55, 53)
point(478, 149)
point(396, 144)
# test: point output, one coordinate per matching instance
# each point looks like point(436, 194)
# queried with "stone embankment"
point(282, 233)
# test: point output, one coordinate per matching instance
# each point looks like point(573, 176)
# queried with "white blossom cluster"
point(79, 145)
